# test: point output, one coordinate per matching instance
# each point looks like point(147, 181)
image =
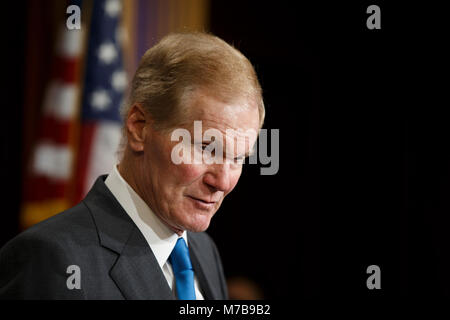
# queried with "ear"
point(136, 127)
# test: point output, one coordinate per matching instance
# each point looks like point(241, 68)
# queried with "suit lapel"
point(201, 269)
point(136, 272)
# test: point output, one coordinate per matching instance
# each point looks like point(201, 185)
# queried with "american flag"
point(104, 87)
point(80, 124)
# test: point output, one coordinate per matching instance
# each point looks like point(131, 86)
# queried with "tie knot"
point(179, 258)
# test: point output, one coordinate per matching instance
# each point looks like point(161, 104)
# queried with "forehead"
point(237, 114)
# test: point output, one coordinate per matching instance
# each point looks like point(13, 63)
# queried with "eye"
point(201, 146)
point(204, 146)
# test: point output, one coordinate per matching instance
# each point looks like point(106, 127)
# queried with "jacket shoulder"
point(61, 227)
point(66, 234)
point(33, 264)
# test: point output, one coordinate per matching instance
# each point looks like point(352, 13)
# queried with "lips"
point(202, 200)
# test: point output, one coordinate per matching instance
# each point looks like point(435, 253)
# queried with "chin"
point(199, 223)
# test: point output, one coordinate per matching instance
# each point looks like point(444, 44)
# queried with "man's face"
point(186, 196)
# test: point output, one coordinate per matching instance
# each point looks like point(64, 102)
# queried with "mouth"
point(201, 200)
point(202, 203)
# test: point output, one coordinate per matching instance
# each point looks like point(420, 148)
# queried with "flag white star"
point(100, 100)
point(119, 80)
point(113, 8)
point(107, 53)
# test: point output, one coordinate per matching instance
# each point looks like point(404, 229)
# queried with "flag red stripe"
point(55, 130)
point(66, 69)
point(40, 188)
point(87, 133)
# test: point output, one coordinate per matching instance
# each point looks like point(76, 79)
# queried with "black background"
point(364, 163)
point(364, 166)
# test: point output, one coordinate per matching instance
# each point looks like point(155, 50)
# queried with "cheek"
point(187, 173)
point(234, 178)
point(182, 173)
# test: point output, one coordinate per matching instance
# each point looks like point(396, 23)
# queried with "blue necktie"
point(182, 269)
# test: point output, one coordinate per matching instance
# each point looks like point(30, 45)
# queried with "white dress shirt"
point(159, 236)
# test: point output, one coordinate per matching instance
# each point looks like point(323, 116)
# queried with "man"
point(139, 232)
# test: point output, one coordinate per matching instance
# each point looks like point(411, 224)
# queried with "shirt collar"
point(159, 236)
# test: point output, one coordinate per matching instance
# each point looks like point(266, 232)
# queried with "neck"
point(127, 169)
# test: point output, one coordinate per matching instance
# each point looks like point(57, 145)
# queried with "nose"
point(218, 177)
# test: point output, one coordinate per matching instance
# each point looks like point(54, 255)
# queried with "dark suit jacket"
point(114, 258)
